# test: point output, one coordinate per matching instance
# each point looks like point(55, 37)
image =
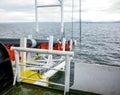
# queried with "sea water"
point(100, 42)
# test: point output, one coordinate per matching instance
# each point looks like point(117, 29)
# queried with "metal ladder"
point(61, 5)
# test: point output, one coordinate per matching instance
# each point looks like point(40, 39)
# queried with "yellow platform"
point(33, 77)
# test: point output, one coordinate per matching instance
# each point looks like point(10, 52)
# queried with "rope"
point(72, 18)
point(80, 21)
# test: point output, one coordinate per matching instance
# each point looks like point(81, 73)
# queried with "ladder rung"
point(48, 6)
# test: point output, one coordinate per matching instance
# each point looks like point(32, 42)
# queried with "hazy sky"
point(92, 10)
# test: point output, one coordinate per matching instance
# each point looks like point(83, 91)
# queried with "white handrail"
point(43, 51)
point(67, 54)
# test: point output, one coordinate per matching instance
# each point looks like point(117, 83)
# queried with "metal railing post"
point(67, 75)
point(17, 66)
point(63, 45)
point(23, 43)
point(51, 49)
point(71, 42)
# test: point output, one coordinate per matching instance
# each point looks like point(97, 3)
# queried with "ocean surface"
point(100, 42)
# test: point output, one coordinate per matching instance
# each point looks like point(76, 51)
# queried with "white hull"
point(94, 78)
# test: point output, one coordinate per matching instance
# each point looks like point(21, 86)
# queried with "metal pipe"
point(36, 67)
point(36, 17)
point(17, 66)
point(71, 44)
point(63, 45)
point(67, 75)
point(56, 52)
point(23, 43)
point(49, 6)
point(49, 62)
point(58, 84)
point(62, 19)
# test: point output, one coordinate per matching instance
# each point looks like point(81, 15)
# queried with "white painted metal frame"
point(43, 51)
point(23, 42)
point(50, 48)
point(61, 5)
point(67, 54)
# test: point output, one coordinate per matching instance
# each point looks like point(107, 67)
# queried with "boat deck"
point(28, 89)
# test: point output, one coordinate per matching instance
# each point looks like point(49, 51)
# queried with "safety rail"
point(40, 67)
point(67, 54)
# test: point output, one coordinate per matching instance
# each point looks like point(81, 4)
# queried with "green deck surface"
point(28, 89)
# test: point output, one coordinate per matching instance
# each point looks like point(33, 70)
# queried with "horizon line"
point(64, 22)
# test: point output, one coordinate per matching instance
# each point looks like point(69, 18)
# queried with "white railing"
point(67, 54)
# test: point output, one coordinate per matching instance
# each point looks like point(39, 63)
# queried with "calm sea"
point(100, 41)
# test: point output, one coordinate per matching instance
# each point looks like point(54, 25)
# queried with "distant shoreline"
point(59, 22)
